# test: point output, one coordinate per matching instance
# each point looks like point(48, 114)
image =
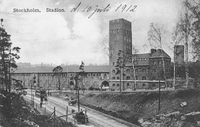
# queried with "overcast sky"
point(72, 37)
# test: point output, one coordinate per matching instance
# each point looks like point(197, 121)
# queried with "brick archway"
point(105, 83)
point(71, 83)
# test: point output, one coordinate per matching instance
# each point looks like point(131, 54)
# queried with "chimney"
point(153, 51)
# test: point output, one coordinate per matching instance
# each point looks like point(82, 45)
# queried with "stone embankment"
point(178, 108)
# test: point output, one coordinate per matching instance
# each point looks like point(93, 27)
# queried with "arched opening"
point(105, 84)
point(71, 83)
point(143, 78)
point(128, 84)
point(128, 78)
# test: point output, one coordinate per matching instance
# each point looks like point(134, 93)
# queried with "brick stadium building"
point(138, 71)
point(147, 66)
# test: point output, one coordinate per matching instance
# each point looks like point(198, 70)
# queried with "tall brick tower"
point(120, 38)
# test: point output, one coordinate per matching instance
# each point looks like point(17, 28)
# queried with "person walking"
point(41, 98)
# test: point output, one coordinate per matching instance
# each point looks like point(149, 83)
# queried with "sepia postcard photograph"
point(99, 63)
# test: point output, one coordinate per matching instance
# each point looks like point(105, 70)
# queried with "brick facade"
point(143, 67)
point(147, 66)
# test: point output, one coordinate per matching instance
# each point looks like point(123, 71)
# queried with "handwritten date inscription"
point(96, 9)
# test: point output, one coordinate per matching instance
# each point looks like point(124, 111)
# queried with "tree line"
point(8, 58)
point(186, 32)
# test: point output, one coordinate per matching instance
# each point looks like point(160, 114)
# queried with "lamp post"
point(32, 95)
point(77, 90)
point(159, 98)
point(120, 79)
point(77, 78)
point(48, 84)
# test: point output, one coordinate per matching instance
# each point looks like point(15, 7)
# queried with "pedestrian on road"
point(41, 98)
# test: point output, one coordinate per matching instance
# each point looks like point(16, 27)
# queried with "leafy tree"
point(194, 22)
point(58, 70)
point(120, 64)
point(156, 40)
point(134, 61)
point(180, 71)
point(156, 36)
point(177, 38)
point(8, 57)
point(78, 79)
point(194, 68)
point(190, 27)
point(80, 75)
point(7, 64)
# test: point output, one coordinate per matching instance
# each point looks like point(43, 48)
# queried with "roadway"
point(96, 118)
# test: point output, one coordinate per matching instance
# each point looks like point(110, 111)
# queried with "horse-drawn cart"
point(81, 118)
point(72, 102)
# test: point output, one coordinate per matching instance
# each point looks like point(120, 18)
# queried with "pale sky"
point(71, 37)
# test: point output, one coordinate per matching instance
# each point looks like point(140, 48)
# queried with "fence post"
point(85, 116)
point(44, 110)
point(66, 113)
point(74, 122)
point(54, 116)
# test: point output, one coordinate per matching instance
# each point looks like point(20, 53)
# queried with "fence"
point(54, 120)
